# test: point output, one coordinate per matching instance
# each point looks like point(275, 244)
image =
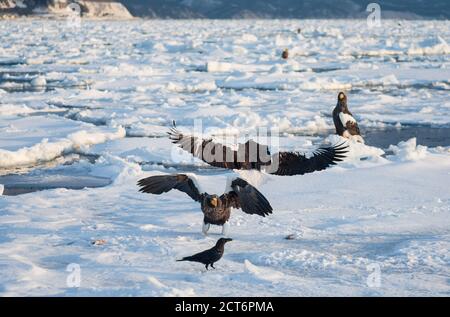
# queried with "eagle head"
point(342, 100)
point(213, 201)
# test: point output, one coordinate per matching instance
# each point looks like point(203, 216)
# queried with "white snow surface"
point(45, 151)
point(112, 89)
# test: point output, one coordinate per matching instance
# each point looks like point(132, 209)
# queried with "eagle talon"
point(205, 228)
point(225, 228)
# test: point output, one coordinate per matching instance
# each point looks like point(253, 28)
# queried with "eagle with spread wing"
point(216, 209)
point(251, 155)
point(346, 126)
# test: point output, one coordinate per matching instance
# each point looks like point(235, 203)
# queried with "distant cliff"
point(291, 9)
point(91, 9)
point(233, 9)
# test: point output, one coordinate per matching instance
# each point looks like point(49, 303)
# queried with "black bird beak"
point(222, 241)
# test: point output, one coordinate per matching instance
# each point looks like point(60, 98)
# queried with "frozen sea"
point(83, 115)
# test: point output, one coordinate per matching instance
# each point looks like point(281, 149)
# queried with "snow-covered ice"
point(110, 90)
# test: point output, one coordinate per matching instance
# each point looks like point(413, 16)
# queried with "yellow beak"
point(214, 201)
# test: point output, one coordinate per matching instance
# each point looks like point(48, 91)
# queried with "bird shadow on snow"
point(59, 262)
point(175, 234)
point(374, 248)
point(4, 238)
point(381, 244)
point(190, 273)
point(240, 257)
point(333, 223)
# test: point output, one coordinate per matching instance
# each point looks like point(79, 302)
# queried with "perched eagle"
point(216, 209)
point(346, 126)
point(210, 256)
point(252, 155)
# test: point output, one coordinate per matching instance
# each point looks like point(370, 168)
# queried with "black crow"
point(210, 256)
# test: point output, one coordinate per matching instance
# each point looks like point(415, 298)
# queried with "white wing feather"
point(346, 118)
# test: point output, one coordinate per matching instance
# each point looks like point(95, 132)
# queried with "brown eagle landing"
point(252, 155)
point(346, 126)
point(216, 209)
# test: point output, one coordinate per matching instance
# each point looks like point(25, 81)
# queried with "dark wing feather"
point(163, 183)
point(248, 198)
point(205, 257)
point(337, 121)
point(202, 257)
point(291, 163)
point(250, 155)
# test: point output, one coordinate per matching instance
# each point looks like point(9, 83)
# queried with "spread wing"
point(247, 198)
point(292, 163)
point(249, 155)
point(252, 155)
point(163, 183)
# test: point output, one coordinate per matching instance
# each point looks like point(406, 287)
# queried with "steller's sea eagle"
point(210, 256)
point(346, 126)
point(216, 209)
point(252, 155)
